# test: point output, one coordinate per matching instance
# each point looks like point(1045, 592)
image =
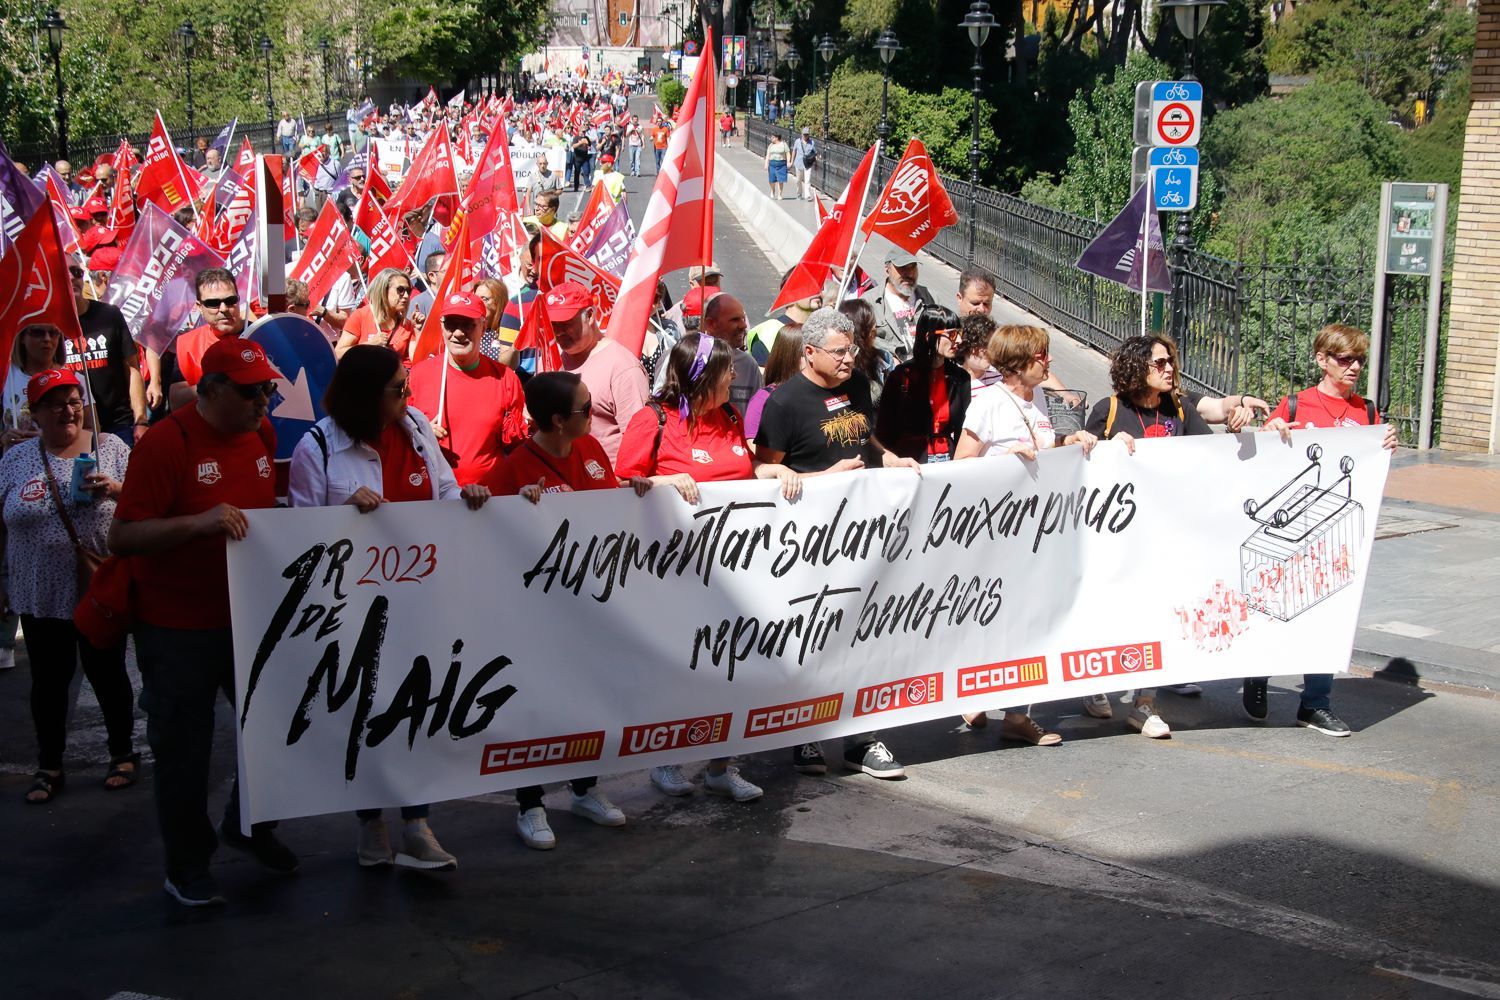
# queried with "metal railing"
point(1240, 326)
point(88, 148)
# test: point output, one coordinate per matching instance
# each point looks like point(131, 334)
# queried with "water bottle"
point(83, 466)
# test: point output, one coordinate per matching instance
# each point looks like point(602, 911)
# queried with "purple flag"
point(610, 248)
point(1116, 253)
point(225, 190)
point(360, 159)
point(153, 283)
point(221, 141)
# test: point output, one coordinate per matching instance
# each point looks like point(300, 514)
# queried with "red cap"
point(96, 206)
point(79, 213)
point(607, 158)
point(465, 304)
point(567, 300)
point(244, 361)
point(44, 382)
point(104, 259)
point(692, 302)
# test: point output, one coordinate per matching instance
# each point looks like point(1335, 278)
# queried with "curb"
point(1417, 661)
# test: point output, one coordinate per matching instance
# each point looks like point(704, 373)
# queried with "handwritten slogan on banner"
point(427, 652)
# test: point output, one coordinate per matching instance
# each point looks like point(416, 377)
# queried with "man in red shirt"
point(482, 413)
point(190, 481)
point(614, 376)
point(219, 305)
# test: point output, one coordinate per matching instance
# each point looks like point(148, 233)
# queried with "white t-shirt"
point(983, 384)
point(999, 418)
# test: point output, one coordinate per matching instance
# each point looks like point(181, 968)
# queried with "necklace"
point(1336, 420)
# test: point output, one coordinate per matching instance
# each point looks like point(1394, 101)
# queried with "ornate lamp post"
point(189, 40)
point(793, 60)
point(978, 21)
point(54, 26)
point(1191, 17)
point(887, 45)
point(265, 49)
point(826, 49)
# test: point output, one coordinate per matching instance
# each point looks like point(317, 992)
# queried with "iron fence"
point(88, 148)
point(1240, 326)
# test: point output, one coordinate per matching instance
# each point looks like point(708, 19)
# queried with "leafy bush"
point(670, 93)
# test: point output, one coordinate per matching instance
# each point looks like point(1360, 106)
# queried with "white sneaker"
point(374, 843)
point(1144, 718)
point(670, 780)
point(595, 806)
point(7, 659)
point(731, 784)
point(1098, 706)
point(534, 831)
point(420, 849)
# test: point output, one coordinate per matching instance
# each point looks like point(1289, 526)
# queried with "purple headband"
point(695, 371)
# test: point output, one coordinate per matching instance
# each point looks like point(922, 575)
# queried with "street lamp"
point(265, 48)
point(189, 38)
point(978, 21)
point(887, 45)
point(324, 46)
point(826, 49)
point(793, 60)
point(365, 67)
point(54, 25)
point(1191, 17)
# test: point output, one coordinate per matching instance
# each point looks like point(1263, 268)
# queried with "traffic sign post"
point(1168, 113)
point(1174, 176)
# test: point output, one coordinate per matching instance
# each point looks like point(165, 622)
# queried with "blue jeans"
point(287, 142)
point(659, 154)
point(635, 161)
point(182, 673)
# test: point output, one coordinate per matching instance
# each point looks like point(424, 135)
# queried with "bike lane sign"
point(1176, 115)
point(1174, 179)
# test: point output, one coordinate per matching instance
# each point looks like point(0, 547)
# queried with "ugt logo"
point(908, 191)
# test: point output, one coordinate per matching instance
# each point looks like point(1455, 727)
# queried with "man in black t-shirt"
point(109, 357)
point(822, 420)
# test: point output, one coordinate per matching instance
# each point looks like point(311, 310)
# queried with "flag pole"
point(181, 173)
point(1146, 248)
point(442, 407)
point(853, 261)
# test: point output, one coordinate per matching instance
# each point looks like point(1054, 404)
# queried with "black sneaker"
point(1323, 721)
point(875, 760)
point(808, 759)
point(194, 890)
point(1253, 697)
point(263, 846)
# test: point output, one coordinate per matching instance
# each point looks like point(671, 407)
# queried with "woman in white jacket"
point(371, 449)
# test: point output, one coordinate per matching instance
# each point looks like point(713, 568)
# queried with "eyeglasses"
point(228, 302)
point(840, 352)
point(1162, 364)
point(401, 391)
point(256, 390)
point(1348, 360)
point(946, 334)
point(76, 403)
point(587, 408)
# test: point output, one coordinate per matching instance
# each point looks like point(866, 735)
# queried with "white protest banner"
point(523, 168)
point(393, 156)
point(426, 652)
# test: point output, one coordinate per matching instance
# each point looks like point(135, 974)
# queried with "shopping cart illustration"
point(1302, 551)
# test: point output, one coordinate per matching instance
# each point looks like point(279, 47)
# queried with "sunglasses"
point(403, 290)
point(402, 391)
point(256, 390)
point(587, 408)
point(228, 302)
point(1162, 364)
point(1347, 360)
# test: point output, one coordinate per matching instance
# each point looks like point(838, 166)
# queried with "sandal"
point(1029, 732)
point(976, 721)
point(50, 785)
point(117, 770)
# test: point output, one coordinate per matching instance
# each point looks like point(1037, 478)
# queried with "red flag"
point(67, 231)
point(431, 175)
point(820, 210)
point(328, 253)
point(913, 206)
point(536, 334)
point(491, 202)
point(34, 283)
point(386, 248)
point(594, 214)
point(307, 165)
point(244, 163)
point(122, 202)
point(829, 248)
point(559, 264)
point(230, 225)
point(458, 272)
point(678, 228)
point(165, 180)
point(288, 208)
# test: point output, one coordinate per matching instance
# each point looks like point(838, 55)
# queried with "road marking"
point(1406, 629)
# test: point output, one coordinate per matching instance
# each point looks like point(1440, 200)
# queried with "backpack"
point(1291, 410)
point(1114, 403)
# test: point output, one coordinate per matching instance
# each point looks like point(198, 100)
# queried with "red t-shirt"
point(713, 449)
point(585, 468)
point(362, 324)
point(484, 413)
point(184, 466)
point(1318, 409)
point(937, 391)
point(403, 473)
point(189, 348)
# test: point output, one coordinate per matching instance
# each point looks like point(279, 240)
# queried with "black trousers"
point(54, 648)
point(531, 796)
point(182, 673)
